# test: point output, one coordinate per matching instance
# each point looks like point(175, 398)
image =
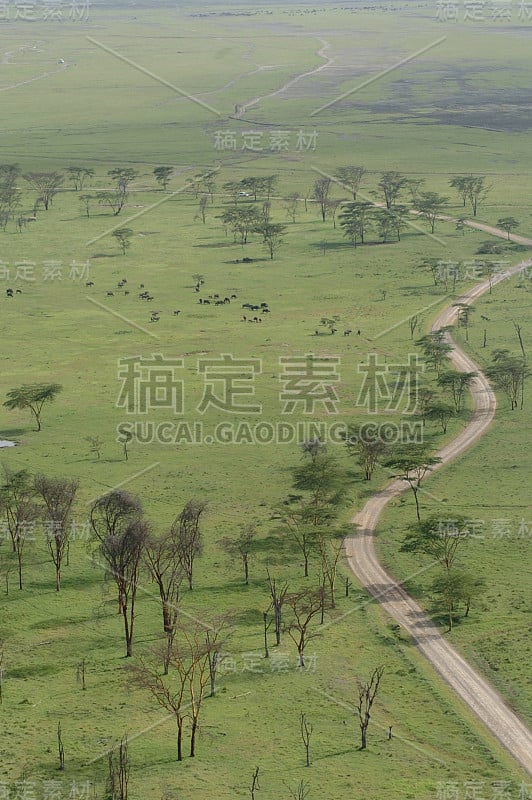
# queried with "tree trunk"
point(57, 578)
point(179, 739)
point(417, 504)
point(363, 733)
point(193, 737)
point(129, 632)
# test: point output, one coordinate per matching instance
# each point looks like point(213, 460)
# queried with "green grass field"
point(456, 109)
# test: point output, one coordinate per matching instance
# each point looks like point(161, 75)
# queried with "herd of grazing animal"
point(215, 299)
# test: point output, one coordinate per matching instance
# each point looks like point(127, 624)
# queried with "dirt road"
point(471, 687)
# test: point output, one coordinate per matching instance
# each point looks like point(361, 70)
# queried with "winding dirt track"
point(471, 687)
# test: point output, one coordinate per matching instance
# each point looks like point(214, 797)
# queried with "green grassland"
point(101, 112)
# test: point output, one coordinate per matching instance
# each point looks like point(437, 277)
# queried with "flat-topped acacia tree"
point(32, 396)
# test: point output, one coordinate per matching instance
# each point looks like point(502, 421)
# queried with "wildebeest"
point(177, 312)
point(9, 292)
point(89, 283)
point(110, 294)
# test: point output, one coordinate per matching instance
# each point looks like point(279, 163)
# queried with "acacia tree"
point(291, 204)
point(32, 396)
point(187, 534)
point(367, 693)
point(435, 348)
point(278, 595)
point(321, 194)
point(57, 495)
point(471, 188)
point(303, 607)
point(20, 512)
point(304, 517)
point(123, 237)
point(117, 523)
point(162, 560)
point(508, 224)
point(430, 206)
point(272, 236)
point(355, 219)
point(162, 176)
point(351, 177)
point(123, 556)
point(117, 197)
point(10, 194)
point(441, 412)
point(508, 373)
point(330, 553)
point(242, 546)
point(455, 383)
point(79, 176)
point(369, 450)
point(439, 538)
point(46, 183)
point(182, 694)
point(456, 587)
point(411, 463)
point(296, 518)
point(391, 184)
point(242, 220)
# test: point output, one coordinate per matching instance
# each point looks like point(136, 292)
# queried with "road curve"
point(471, 687)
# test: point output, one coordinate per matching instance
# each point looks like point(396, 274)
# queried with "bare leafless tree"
point(255, 786)
point(60, 748)
point(303, 606)
point(306, 730)
point(182, 694)
point(278, 595)
point(367, 692)
point(118, 771)
point(330, 552)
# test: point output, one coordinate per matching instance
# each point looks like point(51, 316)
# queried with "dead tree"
point(80, 674)
point(278, 596)
point(330, 553)
point(60, 748)
point(304, 606)
point(300, 792)
point(118, 771)
point(306, 734)
point(367, 692)
point(255, 783)
point(182, 695)
point(215, 638)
